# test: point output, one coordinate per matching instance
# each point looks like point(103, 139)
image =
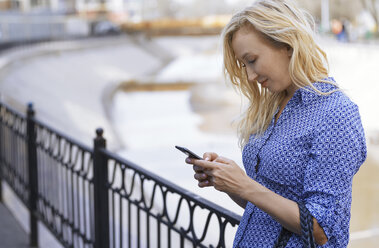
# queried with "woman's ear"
point(289, 51)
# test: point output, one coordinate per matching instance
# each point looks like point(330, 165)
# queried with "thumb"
point(210, 156)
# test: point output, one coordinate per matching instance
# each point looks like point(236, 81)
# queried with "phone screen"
point(188, 152)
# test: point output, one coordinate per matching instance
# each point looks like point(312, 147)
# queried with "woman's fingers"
point(200, 176)
point(212, 170)
point(205, 164)
point(205, 183)
point(197, 168)
point(189, 160)
point(203, 179)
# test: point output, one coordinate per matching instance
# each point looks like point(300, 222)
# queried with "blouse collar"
point(307, 94)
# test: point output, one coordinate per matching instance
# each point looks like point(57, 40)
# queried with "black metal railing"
point(93, 198)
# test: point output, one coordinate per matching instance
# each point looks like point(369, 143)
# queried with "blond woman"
point(302, 137)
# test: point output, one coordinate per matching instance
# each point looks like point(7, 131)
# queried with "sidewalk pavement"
point(11, 233)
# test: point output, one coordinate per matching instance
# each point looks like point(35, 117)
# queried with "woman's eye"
point(251, 61)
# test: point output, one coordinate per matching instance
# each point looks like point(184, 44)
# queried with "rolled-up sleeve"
point(338, 149)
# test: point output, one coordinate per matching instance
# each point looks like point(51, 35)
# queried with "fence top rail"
point(20, 115)
point(202, 202)
point(12, 111)
point(77, 143)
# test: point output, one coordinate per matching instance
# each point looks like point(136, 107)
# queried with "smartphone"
point(188, 152)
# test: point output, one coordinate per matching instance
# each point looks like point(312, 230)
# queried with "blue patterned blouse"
point(311, 154)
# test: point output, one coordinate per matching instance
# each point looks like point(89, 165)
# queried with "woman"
point(302, 137)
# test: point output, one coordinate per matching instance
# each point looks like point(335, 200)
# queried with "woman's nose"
point(251, 75)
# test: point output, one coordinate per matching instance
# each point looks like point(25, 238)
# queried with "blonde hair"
point(282, 24)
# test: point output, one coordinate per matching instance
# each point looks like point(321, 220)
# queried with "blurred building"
point(135, 9)
point(37, 5)
point(185, 12)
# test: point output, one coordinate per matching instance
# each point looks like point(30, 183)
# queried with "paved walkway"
point(11, 233)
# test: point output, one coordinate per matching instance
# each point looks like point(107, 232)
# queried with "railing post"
point(100, 180)
point(33, 175)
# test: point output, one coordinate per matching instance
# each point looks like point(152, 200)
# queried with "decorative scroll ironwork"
point(149, 211)
point(13, 151)
point(65, 187)
point(84, 194)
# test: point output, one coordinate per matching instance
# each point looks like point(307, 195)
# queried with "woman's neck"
point(290, 91)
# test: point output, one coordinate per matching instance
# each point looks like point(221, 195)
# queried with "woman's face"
point(263, 62)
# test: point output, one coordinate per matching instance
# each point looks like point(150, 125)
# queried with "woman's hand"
point(222, 173)
point(225, 175)
point(203, 179)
